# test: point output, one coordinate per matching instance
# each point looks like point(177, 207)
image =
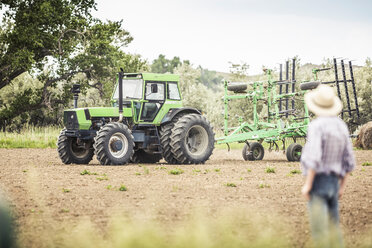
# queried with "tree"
point(163, 65)
point(64, 46)
point(34, 30)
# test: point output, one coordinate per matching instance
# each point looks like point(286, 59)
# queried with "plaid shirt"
point(328, 147)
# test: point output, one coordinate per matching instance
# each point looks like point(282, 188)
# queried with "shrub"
point(123, 188)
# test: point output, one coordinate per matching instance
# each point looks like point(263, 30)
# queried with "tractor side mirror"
point(154, 88)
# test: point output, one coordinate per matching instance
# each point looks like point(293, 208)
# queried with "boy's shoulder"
point(326, 121)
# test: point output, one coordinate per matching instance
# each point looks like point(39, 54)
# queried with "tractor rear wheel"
point(254, 151)
point(192, 139)
point(114, 144)
point(73, 151)
point(165, 140)
point(294, 152)
point(140, 156)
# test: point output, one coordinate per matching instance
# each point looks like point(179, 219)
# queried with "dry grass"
point(31, 137)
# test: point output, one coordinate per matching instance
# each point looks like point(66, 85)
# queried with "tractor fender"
point(173, 112)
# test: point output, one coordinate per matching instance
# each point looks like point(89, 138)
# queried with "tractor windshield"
point(132, 89)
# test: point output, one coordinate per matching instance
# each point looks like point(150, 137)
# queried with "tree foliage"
point(164, 65)
point(59, 43)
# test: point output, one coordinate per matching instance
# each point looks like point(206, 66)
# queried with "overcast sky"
point(212, 33)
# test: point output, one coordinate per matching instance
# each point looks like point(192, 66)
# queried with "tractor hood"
point(80, 118)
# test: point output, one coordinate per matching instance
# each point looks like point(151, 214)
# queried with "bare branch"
point(60, 51)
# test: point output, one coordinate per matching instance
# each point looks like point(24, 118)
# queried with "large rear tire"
point(165, 140)
point(192, 139)
point(114, 144)
point(140, 156)
point(72, 151)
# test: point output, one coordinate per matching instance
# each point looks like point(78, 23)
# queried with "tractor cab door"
point(154, 96)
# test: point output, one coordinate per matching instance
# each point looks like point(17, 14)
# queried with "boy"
point(327, 159)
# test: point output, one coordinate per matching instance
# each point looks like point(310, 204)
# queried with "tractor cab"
point(147, 94)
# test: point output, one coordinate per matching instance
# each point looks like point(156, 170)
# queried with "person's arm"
point(342, 186)
point(308, 184)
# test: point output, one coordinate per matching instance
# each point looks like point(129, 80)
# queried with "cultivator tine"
point(346, 88)
point(354, 91)
point(337, 83)
point(287, 85)
point(280, 86)
point(293, 79)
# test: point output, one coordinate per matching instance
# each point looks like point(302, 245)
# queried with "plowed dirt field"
point(43, 192)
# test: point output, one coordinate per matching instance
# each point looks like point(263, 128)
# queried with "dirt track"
point(36, 183)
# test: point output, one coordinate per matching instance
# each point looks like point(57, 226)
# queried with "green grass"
point(231, 185)
point(235, 229)
point(146, 170)
point(66, 190)
point(295, 171)
point(217, 170)
point(103, 177)
point(31, 137)
point(263, 185)
point(109, 187)
point(367, 164)
point(86, 172)
point(270, 170)
point(233, 146)
point(176, 171)
point(123, 188)
point(249, 170)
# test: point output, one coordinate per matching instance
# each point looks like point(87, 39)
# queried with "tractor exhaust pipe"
point(121, 75)
point(76, 90)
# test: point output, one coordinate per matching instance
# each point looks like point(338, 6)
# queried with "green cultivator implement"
point(283, 121)
point(146, 123)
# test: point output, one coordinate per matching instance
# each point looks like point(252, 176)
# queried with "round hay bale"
point(364, 139)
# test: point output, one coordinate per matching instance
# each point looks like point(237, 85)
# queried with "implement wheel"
point(192, 139)
point(114, 144)
point(74, 151)
point(255, 151)
point(294, 152)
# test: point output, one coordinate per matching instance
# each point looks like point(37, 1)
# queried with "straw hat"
point(323, 101)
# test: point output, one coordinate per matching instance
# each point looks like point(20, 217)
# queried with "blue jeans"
point(323, 208)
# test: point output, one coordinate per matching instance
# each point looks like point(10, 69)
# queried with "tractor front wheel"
point(254, 151)
point(71, 150)
point(192, 139)
point(114, 144)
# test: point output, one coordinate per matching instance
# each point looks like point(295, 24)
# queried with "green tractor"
point(146, 123)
